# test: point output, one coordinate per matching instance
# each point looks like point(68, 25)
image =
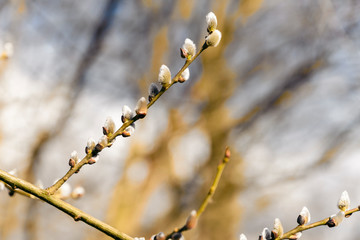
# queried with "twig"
point(322, 222)
point(52, 189)
point(65, 207)
point(210, 194)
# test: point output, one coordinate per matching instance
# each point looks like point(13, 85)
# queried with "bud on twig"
point(243, 237)
point(336, 219)
point(78, 192)
point(164, 76)
point(109, 126)
point(159, 236)
point(213, 39)
point(103, 142)
point(127, 114)
point(211, 22)
point(128, 131)
point(344, 201)
point(188, 50)
point(191, 220)
point(177, 236)
point(296, 236)
point(153, 91)
point(93, 160)
point(278, 228)
point(185, 75)
point(304, 216)
point(90, 145)
point(74, 159)
point(141, 108)
point(266, 234)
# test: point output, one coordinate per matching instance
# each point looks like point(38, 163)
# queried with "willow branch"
point(215, 183)
point(191, 221)
point(322, 222)
point(52, 189)
point(78, 215)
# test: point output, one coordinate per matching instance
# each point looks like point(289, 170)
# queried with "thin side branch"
point(191, 221)
point(322, 222)
point(78, 215)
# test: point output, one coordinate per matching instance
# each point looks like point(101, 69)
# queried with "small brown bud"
point(295, 236)
point(191, 220)
point(93, 160)
point(128, 131)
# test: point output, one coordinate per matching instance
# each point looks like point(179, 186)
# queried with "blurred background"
point(282, 90)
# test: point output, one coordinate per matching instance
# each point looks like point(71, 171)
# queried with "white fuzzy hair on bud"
point(278, 228)
point(2, 186)
point(243, 237)
point(65, 190)
point(211, 22)
point(90, 145)
point(164, 75)
point(141, 107)
point(78, 192)
point(213, 39)
point(188, 49)
point(109, 126)
point(266, 234)
point(336, 219)
point(304, 216)
point(185, 75)
point(128, 131)
point(295, 236)
point(127, 114)
point(344, 201)
point(103, 141)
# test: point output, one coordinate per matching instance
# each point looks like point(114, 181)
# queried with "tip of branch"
point(227, 153)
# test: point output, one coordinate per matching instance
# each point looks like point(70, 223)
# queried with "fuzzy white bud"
point(65, 190)
point(344, 201)
point(185, 75)
point(191, 220)
point(266, 234)
point(2, 186)
point(90, 145)
point(211, 22)
point(93, 160)
point(295, 236)
point(336, 219)
point(109, 126)
point(127, 114)
point(141, 107)
point(304, 216)
point(103, 141)
point(243, 237)
point(189, 49)
point(164, 75)
point(74, 159)
point(278, 228)
point(213, 39)
point(78, 192)
point(128, 131)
